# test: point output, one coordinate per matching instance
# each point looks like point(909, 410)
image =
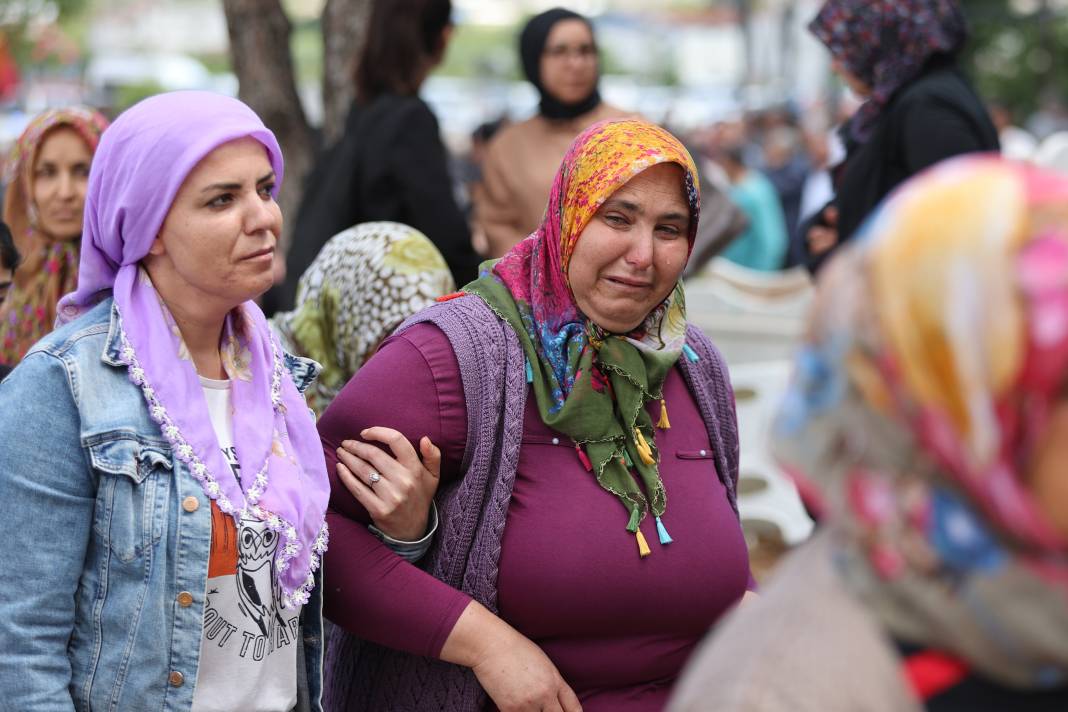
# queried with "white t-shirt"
point(248, 648)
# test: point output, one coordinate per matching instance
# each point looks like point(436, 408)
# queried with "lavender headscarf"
point(142, 161)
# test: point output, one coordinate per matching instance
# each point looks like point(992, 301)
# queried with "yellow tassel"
point(643, 545)
point(644, 451)
point(663, 423)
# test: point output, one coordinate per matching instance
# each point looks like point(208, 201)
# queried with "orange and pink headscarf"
point(589, 384)
point(935, 355)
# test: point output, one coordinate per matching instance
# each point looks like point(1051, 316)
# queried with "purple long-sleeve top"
point(618, 627)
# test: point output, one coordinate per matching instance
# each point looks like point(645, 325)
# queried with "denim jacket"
point(105, 538)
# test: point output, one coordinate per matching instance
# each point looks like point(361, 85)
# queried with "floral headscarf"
point(886, 43)
point(143, 160)
point(589, 384)
point(937, 349)
point(362, 285)
point(49, 267)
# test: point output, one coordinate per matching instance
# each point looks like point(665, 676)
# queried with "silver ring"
point(374, 477)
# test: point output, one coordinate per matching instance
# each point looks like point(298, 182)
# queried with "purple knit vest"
point(362, 676)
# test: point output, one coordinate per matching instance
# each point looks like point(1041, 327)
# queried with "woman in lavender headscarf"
point(162, 486)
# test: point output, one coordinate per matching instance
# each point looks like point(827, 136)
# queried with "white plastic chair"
point(766, 495)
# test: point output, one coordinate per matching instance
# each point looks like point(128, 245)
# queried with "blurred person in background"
point(46, 175)
point(391, 163)
point(469, 169)
point(560, 58)
point(787, 167)
point(1051, 116)
point(547, 385)
point(721, 220)
point(762, 245)
point(930, 403)
point(1016, 143)
point(901, 57)
point(9, 259)
point(365, 281)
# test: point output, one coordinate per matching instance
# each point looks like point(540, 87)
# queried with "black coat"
point(389, 165)
point(935, 116)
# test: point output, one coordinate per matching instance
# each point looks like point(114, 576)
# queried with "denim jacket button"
point(185, 599)
point(190, 504)
point(176, 678)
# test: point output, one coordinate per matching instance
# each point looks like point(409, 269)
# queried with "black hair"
point(401, 39)
point(9, 256)
point(487, 130)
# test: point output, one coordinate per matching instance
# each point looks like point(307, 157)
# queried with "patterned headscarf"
point(49, 267)
point(886, 43)
point(937, 349)
point(589, 384)
point(143, 160)
point(362, 285)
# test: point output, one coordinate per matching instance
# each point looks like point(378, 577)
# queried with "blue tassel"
point(530, 373)
point(665, 538)
point(690, 353)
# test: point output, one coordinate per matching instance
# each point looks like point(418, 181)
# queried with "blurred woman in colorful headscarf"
point(46, 175)
point(547, 384)
point(364, 283)
point(930, 401)
point(900, 57)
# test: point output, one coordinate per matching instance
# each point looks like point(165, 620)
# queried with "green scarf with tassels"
point(604, 412)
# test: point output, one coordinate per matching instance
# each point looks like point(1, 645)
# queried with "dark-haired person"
point(391, 163)
point(900, 56)
point(559, 57)
point(46, 175)
point(9, 259)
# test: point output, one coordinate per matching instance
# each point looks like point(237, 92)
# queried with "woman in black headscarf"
point(901, 57)
point(559, 57)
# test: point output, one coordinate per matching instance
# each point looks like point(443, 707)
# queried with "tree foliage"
point(1015, 54)
point(260, 56)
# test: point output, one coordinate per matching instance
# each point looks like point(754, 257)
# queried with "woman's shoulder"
point(388, 115)
point(471, 334)
point(89, 332)
point(410, 109)
point(514, 136)
point(804, 644)
point(604, 110)
point(703, 351)
point(78, 363)
point(466, 320)
point(943, 84)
